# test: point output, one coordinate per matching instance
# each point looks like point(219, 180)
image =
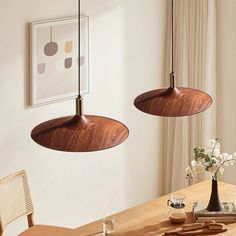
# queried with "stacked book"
point(227, 214)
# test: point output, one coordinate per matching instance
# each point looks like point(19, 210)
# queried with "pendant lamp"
point(80, 133)
point(173, 101)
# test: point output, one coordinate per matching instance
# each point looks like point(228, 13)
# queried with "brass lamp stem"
point(172, 80)
point(79, 106)
point(172, 74)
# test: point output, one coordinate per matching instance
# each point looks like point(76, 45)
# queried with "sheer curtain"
point(194, 65)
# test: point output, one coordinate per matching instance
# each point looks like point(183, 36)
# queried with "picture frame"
point(54, 59)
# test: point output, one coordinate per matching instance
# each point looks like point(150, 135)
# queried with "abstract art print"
point(54, 59)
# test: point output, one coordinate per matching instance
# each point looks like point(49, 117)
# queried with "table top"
point(151, 218)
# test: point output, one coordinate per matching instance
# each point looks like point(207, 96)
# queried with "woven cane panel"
point(28, 201)
point(15, 199)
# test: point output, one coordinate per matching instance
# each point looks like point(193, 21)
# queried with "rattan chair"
point(15, 202)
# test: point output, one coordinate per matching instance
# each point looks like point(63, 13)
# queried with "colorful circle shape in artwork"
point(51, 48)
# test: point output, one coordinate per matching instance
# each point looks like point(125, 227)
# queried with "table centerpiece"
point(210, 159)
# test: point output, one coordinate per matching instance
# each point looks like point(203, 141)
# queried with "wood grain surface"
point(173, 102)
point(80, 133)
point(151, 218)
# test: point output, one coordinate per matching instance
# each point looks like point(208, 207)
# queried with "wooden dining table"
point(151, 218)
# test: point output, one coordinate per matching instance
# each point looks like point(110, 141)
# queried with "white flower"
point(189, 172)
point(210, 159)
point(221, 170)
point(227, 159)
point(213, 142)
point(193, 163)
point(214, 168)
point(226, 156)
point(231, 160)
point(213, 147)
point(216, 152)
point(197, 167)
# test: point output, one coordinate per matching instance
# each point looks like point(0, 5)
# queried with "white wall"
point(126, 47)
point(226, 80)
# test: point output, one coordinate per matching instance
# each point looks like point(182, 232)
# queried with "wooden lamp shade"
point(173, 102)
point(80, 133)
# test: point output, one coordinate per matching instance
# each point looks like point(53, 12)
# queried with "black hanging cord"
point(79, 92)
point(172, 74)
point(172, 37)
point(78, 100)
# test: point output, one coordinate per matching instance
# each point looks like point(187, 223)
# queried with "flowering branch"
point(209, 159)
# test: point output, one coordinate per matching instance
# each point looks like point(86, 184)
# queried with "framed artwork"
point(54, 59)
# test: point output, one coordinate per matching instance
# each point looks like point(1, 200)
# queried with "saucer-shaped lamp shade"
point(84, 133)
point(173, 102)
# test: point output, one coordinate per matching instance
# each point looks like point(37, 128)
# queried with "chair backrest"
point(15, 199)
